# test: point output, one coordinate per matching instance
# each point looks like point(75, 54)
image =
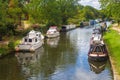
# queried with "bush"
point(3, 50)
point(11, 45)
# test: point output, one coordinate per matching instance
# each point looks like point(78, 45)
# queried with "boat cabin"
point(52, 30)
point(32, 37)
point(98, 31)
point(100, 48)
point(98, 52)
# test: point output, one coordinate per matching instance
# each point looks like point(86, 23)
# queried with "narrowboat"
point(98, 52)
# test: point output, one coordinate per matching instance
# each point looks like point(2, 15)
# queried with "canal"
point(61, 58)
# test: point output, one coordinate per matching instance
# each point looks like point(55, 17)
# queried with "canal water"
point(61, 58)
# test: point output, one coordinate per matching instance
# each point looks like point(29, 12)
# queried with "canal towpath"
point(116, 75)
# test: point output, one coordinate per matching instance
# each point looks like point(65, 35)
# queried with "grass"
point(112, 40)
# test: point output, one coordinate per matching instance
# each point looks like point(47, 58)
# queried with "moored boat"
point(52, 32)
point(65, 28)
point(98, 52)
point(31, 42)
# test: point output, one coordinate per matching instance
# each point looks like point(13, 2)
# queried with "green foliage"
point(85, 14)
point(111, 9)
point(51, 12)
point(3, 50)
point(11, 45)
point(10, 12)
point(113, 44)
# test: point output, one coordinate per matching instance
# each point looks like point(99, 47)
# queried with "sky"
point(93, 3)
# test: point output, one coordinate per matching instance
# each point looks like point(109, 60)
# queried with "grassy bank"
point(112, 39)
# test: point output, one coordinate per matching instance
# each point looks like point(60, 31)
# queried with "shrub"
point(11, 45)
point(3, 50)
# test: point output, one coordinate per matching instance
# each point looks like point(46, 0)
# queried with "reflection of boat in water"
point(53, 42)
point(31, 42)
point(29, 57)
point(97, 67)
point(29, 61)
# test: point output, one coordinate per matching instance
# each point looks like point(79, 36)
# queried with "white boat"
point(31, 42)
point(52, 32)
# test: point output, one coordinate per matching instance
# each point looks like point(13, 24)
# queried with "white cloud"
point(93, 3)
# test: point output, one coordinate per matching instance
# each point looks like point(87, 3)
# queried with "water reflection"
point(29, 61)
point(10, 68)
point(65, 60)
point(53, 42)
point(97, 67)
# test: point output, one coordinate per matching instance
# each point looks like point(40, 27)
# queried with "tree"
point(111, 8)
point(88, 12)
point(52, 12)
point(3, 28)
point(9, 16)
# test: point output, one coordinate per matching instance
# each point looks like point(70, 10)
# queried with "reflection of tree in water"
point(29, 62)
point(53, 57)
point(67, 49)
point(97, 67)
point(10, 69)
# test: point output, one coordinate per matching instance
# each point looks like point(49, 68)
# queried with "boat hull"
point(52, 35)
point(98, 58)
point(25, 47)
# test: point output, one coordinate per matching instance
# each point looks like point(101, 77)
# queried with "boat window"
point(30, 40)
point(103, 48)
point(25, 40)
point(35, 40)
point(97, 49)
point(91, 49)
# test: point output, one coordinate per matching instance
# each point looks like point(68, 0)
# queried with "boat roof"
point(53, 27)
point(32, 34)
point(100, 43)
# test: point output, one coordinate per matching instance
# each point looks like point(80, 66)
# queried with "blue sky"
point(93, 3)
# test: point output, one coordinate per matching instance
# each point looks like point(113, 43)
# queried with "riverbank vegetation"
point(112, 40)
point(17, 17)
point(112, 9)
